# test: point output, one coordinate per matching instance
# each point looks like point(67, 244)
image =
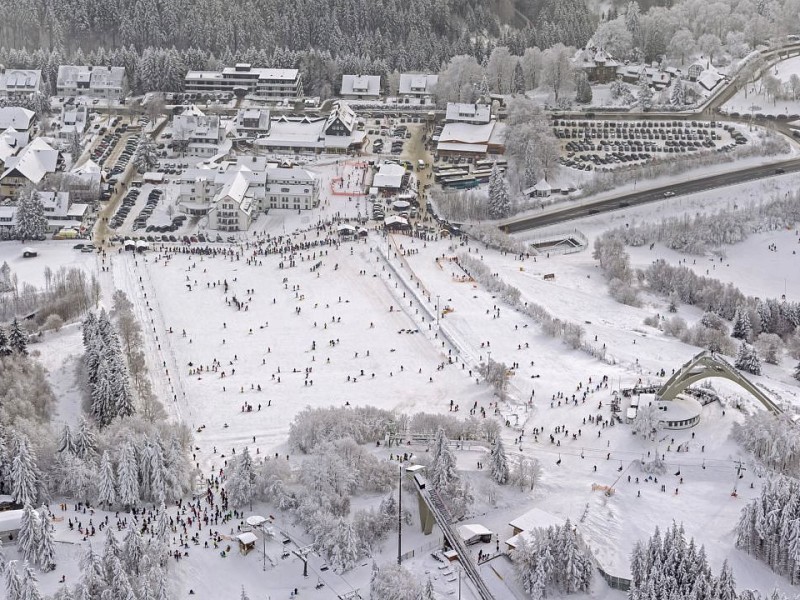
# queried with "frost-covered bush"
point(394, 582)
point(674, 326)
point(495, 238)
point(314, 426)
point(773, 440)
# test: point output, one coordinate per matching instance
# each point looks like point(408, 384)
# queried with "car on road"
point(780, 171)
point(668, 194)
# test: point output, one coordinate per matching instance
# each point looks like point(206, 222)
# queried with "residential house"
point(252, 122)
point(597, 64)
point(60, 211)
point(475, 114)
point(361, 87)
point(108, 83)
point(694, 71)
point(267, 84)
point(709, 79)
point(657, 78)
point(8, 219)
point(21, 119)
point(31, 165)
point(74, 119)
point(11, 142)
point(19, 83)
point(418, 85)
point(202, 134)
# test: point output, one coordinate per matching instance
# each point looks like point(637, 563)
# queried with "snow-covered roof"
point(255, 520)
point(389, 175)
point(361, 85)
point(470, 113)
point(344, 113)
point(10, 520)
point(542, 186)
point(709, 79)
point(534, 519)
point(247, 538)
point(20, 80)
point(289, 175)
point(55, 204)
point(462, 147)
point(417, 84)
point(97, 78)
point(471, 531)
point(17, 117)
point(466, 133)
point(395, 220)
point(33, 162)
point(235, 189)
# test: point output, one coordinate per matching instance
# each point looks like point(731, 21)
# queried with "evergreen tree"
point(85, 441)
point(24, 474)
point(241, 481)
point(499, 198)
point(747, 359)
point(31, 222)
point(30, 590)
point(17, 339)
point(102, 394)
point(244, 595)
point(442, 471)
point(107, 495)
point(725, 586)
point(498, 463)
point(741, 324)
point(29, 537)
point(13, 582)
point(678, 94)
point(583, 90)
point(645, 94)
point(518, 80)
point(797, 372)
point(66, 443)
point(146, 158)
point(46, 554)
point(5, 349)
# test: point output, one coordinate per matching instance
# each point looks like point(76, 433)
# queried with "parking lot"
point(605, 145)
point(387, 140)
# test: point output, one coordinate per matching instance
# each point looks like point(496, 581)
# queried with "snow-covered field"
point(755, 100)
point(347, 324)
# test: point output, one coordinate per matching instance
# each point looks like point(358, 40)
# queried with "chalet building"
point(361, 87)
point(74, 81)
point(203, 134)
point(19, 119)
point(341, 121)
point(31, 165)
point(694, 71)
point(598, 65)
point(266, 84)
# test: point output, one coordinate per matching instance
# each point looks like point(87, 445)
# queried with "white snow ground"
point(611, 525)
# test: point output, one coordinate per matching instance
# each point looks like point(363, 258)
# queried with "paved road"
point(573, 211)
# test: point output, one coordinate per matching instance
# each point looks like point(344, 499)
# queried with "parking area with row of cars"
point(389, 140)
point(604, 144)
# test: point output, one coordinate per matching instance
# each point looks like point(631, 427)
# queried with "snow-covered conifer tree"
point(31, 222)
point(741, 324)
point(29, 537)
point(65, 442)
point(103, 394)
point(797, 372)
point(13, 582)
point(107, 495)
point(241, 481)
point(344, 546)
point(24, 474)
point(747, 359)
point(5, 348)
point(677, 95)
point(17, 339)
point(645, 94)
point(85, 440)
point(46, 553)
point(498, 463)
point(442, 471)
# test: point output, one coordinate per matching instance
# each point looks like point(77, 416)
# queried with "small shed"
point(346, 230)
point(10, 521)
point(29, 253)
point(255, 520)
point(155, 177)
point(129, 244)
point(473, 534)
point(247, 542)
point(142, 245)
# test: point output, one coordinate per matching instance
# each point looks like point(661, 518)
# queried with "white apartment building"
point(15, 83)
point(91, 81)
point(267, 84)
point(203, 134)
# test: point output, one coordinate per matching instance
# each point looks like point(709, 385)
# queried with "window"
point(285, 190)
